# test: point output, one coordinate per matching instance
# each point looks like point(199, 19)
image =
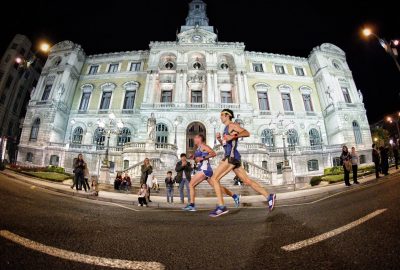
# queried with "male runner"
point(204, 172)
point(232, 161)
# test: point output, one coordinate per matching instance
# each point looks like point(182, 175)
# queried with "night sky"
point(284, 27)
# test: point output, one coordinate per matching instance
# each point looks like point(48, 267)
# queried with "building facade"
point(15, 87)
point(306, 107)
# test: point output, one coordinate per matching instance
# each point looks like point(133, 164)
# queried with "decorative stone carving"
point(151, 128)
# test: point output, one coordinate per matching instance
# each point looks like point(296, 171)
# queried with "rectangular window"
point(166, 96)
point(313, 165)
point(299, 71)
point(197, 97)
point(287, 102)
point(84, 102)
point(135, 66)
point(93, 69)
point(126, 164)
point(129, 101)
point(346, 95)
point(46, 92)
point(308, 103)
point(113, 68)
point(226, 97)
point(263, 101)
point(336, 162)
point(279, 69)
point(258, 67)
point(105, 101)
point(279, 167)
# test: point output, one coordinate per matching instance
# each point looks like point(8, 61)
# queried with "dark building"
point(16, 84)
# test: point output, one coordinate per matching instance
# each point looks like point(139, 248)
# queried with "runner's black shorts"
point(233, 161)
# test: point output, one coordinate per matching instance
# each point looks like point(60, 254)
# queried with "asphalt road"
point(244, 239)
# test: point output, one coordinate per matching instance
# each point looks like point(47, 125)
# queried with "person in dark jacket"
point(183, 169)
point(384, 159)
point(345, 157)
point(169, 184)
point(376, 159)
point(79, 169)
point(118, 181)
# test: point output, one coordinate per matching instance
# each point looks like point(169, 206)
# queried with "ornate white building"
point(308, 106)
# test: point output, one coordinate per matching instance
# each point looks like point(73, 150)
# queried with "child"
point(142, 195)
point(155, 186)
point(169, 184)
point(95, 186)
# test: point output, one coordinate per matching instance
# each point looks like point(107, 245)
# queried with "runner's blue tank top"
point(204, 166)
point(231, 147)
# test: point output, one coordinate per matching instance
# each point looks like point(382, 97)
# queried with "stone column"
point(178, 86)
point(246, 88)
point(217, 94)
point(147, 88)
point(210, 92)
point(184, 89)
point(240, 89)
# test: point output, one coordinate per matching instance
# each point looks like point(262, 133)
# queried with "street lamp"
point(214, 124)
point(388, 46)
point(113, 127)
point(176, 123)
point(44, 47)
point(396, 119)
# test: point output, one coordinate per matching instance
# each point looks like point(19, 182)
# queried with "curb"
point(164, 205)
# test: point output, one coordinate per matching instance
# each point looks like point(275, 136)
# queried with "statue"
point(360, 95)
point(329, 92)
point(151, 128)
point(60, 91)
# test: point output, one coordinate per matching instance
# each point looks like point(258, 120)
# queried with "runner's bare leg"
point(242, 174)
point(223, 169)
point(196, 179)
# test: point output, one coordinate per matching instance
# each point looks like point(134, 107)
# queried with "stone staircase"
point(204, 189)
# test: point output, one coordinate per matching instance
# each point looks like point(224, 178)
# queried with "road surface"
point(357, 229)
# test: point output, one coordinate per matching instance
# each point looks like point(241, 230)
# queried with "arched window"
point(77, 135)
point(267, 138)
point(124, 137)
point(57, 61)
point(197, 65)
point(29, 157)
point(35, 130)
point(315, 138)
point(169, 65)
point(162, 133)
point(357, 133)
point(54, 160)
point(265, 164)
point(99, 137)
point(292, 139)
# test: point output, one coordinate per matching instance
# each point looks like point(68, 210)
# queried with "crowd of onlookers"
point(380, 158)
point(349, 160)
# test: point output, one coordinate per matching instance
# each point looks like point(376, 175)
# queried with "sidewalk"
point(160, 201)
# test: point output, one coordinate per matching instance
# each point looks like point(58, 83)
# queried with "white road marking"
point(330, 234)
point(78, 257)
point(125, 207)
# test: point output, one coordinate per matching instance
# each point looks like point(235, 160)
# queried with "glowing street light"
point(389, 47)
point(375, 139)
point(45, 47)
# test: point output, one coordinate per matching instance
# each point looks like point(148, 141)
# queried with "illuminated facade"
point(312, 104)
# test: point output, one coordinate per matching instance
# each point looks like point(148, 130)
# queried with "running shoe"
point(236, 199)
point(271, 202)
point(189, 208)
point(219, 211)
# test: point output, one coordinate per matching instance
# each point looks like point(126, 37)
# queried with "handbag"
point(348, 166)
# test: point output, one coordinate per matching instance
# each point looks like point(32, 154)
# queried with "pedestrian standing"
point(169, 184)
point(86, 176)
point(149, 184)
point(376, 159)
point(142, 195)
point(79, 168)
point(345, 160)
point(396, 154)
point(146, 170)
point(354, 164)
point(384, 160)
point(183, 169)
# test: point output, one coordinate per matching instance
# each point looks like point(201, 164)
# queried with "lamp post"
point(176, 123)
point(214, 124)
point(395, 119)
point(113, 127)
point(388, 46)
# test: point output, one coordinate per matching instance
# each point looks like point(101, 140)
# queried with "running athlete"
point(232, 161)
point(204, 172)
